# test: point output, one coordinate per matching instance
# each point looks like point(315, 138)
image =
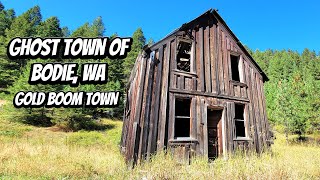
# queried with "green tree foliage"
point(95, 29)
point(6, 18)
point(49, 28)
point(138, 42)
point(25, 24)
point(8, 69)
point(293, 91)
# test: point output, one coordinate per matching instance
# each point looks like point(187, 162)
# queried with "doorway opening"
point(214, 123)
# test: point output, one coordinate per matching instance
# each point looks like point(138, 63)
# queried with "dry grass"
point(39, 153)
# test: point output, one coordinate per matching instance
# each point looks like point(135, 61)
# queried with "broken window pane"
point(183, 54)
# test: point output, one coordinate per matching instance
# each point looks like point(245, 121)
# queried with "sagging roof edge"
point(217, 15)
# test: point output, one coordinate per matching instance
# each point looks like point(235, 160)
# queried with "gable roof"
point(215, 13)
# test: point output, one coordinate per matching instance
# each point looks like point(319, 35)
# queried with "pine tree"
point(25, 24)
point(49, 28)
point(8, 69)
point(6, 18)
point(138, 42)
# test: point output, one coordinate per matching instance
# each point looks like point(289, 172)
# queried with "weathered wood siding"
point(155, 83)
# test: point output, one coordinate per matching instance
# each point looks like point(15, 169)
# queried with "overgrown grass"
point(28, 152)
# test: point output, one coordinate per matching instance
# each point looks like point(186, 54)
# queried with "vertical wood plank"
point(164, 96)
point(145, 125)
point(171, 122)
point(225, 65)
point(265, 112)
point(155, 108)
point(224, 130)
point(220, 63)
point(232, 127)
point(205, 129)
point(256, 111)
point(198, 125)
point(194, 60)
point(213, 54)
point(207, 59)
point(132, 144)
point(194, 118)
point(262, 120)
point(202, 80)
point(228, 127)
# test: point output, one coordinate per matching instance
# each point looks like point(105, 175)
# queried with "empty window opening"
point(183, 54)
point(235, 67)
point(239, 121)
point(182, 118)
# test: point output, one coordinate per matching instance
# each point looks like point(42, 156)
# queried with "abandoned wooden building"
point(196, 92)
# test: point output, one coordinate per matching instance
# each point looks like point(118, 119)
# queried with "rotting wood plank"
point(224, 130)
point(193, 58)
point(173, 64)
point(152, 101)
point(146, 110)
point(132, 150)
point(193, 118)
point(201, 133)
point(262, 120)
point(181, 82)
point(212, 50)
point(133, 140)
point(198, 110)
point(261, 139)
point(231, 84)
point(216, 49)
point(256, 112)
point(259, 115)
point(197, 60)
point(253, 129)
point(164, 96)
point(225, 65)
point(220, 63)
point(207, 67)
point(248, 106)
point(205, 128)
point(232, 127)
point(201, 52)
point(171, 122)
point(155, 113)
point(265, 113)
point(228, 127)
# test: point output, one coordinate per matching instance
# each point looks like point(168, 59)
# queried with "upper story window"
point(235, 73)
point(183, 54)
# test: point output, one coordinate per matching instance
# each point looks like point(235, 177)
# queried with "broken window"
point(235, 67)
point(183, 54)
point(239, 120)
point(182, 118)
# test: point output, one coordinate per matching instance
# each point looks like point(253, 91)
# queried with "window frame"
point(182, 117)
point(186, 40)
point(244, 120)
point(240, 67)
